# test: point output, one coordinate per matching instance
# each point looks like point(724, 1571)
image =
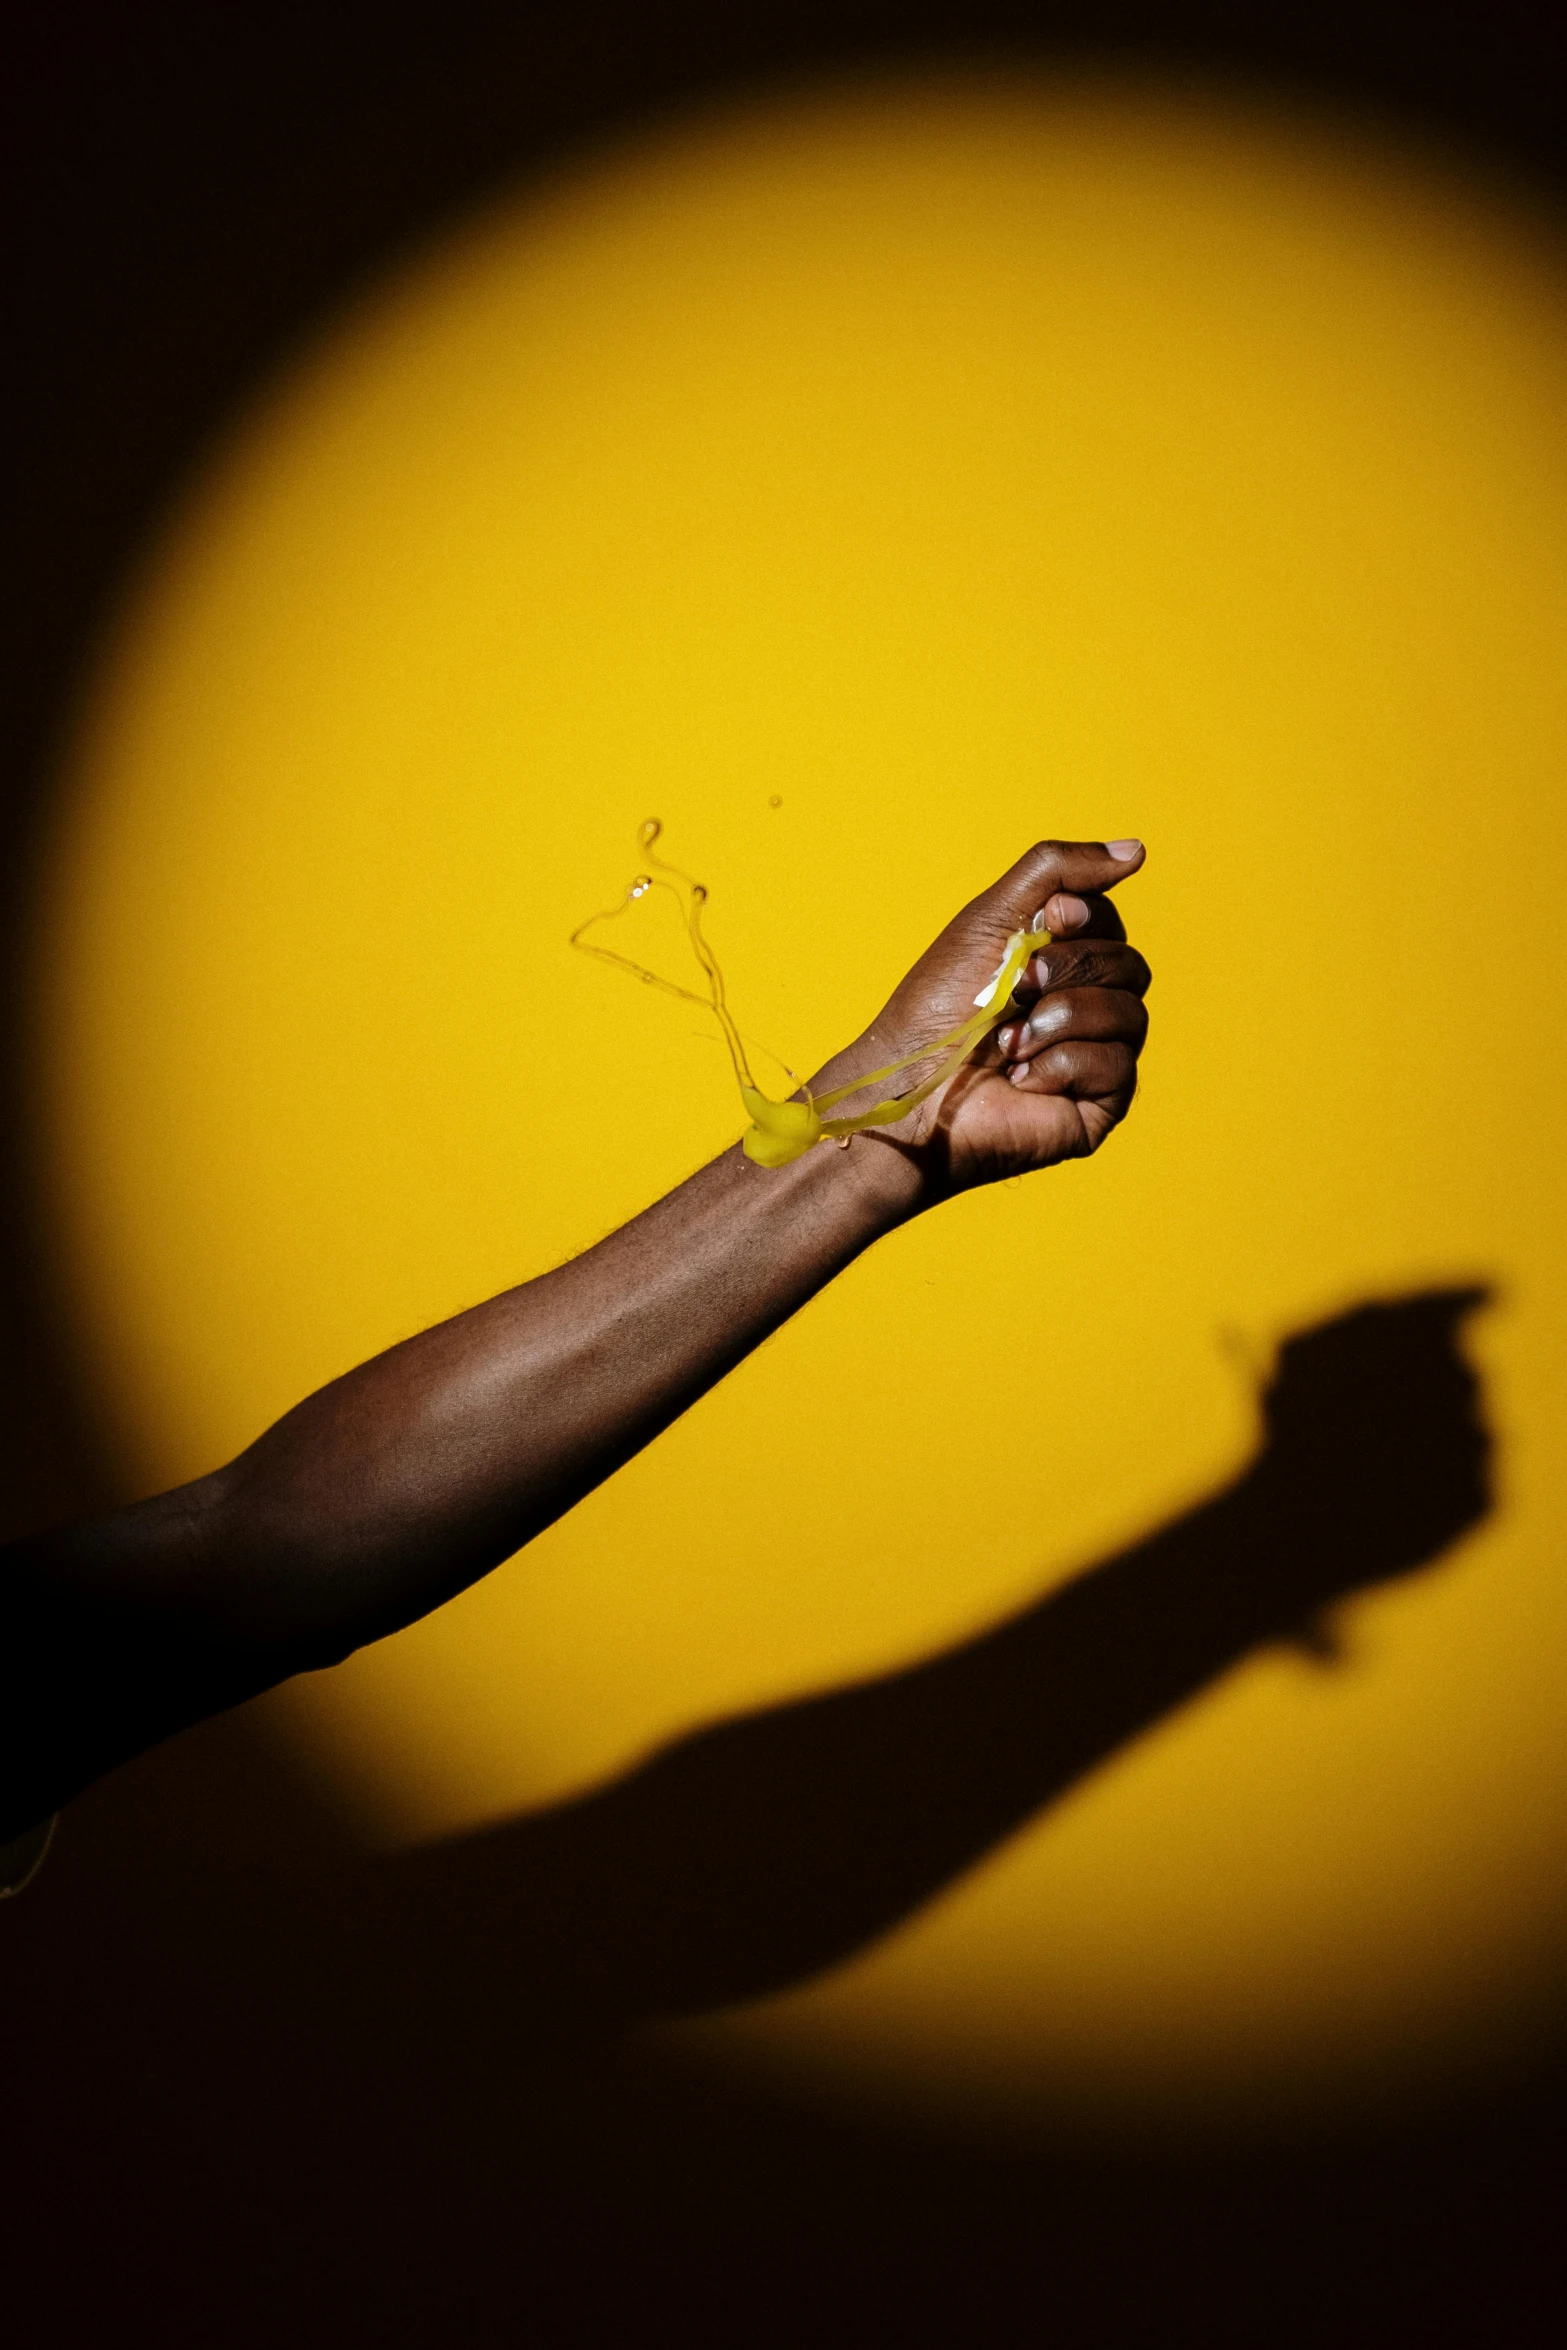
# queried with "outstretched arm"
point(407, 1479)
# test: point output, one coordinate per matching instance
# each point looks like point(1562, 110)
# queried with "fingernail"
point(1123, 851)
point(1006, 1038)
point(1071, 913)
point(1018, 1071)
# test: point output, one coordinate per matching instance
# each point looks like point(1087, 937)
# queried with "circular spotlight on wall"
point(867, 485)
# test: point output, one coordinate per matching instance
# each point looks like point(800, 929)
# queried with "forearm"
point(392, 1488)
point(408, 1478)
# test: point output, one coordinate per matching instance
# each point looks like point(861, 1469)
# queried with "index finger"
point(1068, 916)
point(1089, 962)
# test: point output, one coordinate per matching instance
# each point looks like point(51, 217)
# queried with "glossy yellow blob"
point(953, 464)
point(782, 1131)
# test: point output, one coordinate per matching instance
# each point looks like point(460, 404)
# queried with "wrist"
point(869, 1184)
point(884, 1165)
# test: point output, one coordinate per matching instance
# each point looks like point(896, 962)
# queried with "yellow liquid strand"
point(781, 1131)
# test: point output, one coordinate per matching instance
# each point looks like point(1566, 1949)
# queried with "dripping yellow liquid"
point(781, 1131)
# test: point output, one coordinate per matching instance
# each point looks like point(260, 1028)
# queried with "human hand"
point(1060, 1072)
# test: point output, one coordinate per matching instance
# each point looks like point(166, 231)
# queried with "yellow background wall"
point(951, 463)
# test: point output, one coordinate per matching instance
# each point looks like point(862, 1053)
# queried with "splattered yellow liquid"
point(781, 1131)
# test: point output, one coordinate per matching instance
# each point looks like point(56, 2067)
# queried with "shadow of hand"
point(1375, 1456)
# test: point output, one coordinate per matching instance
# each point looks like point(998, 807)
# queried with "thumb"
point(1053, 868)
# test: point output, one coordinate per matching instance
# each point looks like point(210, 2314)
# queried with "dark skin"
point(407, 1479)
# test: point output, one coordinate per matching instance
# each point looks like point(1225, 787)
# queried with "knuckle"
point(1067, 965)
point(1045, 860)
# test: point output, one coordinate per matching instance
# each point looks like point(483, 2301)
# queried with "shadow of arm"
point(753, 1854)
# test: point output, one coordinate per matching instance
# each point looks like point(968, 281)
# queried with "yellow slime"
point(781, 1131)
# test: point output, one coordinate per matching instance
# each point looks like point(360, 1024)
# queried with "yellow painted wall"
point(951, 463)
